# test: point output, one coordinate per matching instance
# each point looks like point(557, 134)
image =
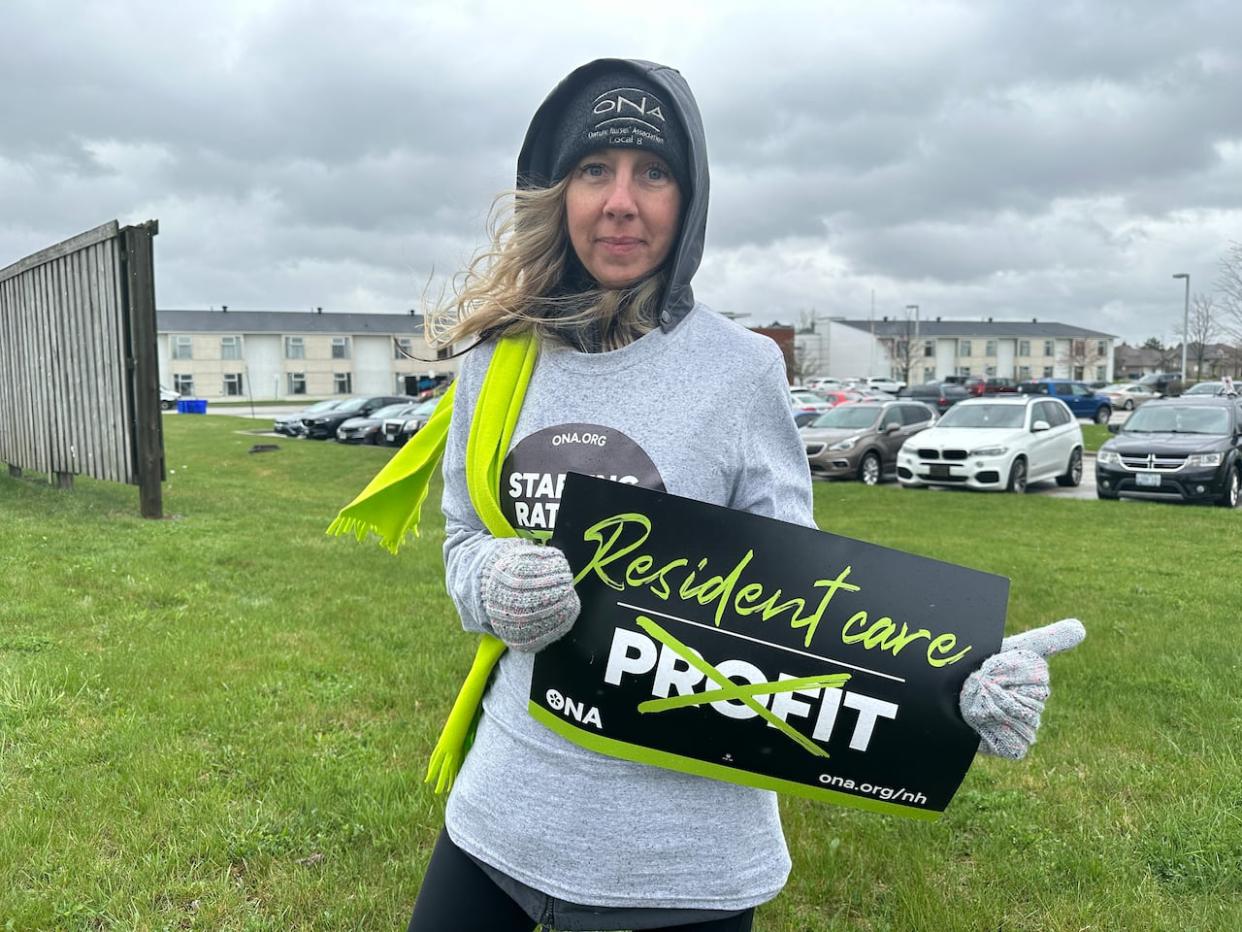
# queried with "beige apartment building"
point(934, 349)
point(294, 355)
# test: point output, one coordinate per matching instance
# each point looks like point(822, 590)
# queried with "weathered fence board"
point(79, 378)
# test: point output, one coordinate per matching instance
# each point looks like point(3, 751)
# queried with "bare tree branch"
point(904, 347)
point(1229, 291)
point(1202, 329)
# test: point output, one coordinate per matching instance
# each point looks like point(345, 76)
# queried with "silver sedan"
point(1126, 396)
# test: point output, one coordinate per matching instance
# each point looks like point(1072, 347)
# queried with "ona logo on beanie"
point(617, 109)
point(630, 103)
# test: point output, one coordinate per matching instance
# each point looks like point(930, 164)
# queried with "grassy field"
point(220, 721)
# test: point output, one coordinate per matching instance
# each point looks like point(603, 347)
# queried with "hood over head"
point(549, 151)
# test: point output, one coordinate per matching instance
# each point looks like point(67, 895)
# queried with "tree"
point(810, 348)
point(1229, 288)
point(1202, 329)
point(1078, 355)
point(904, 346)
point(1167, 355)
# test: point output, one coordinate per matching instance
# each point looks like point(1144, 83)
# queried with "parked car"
point(999, 443)
point(291, 424)
point(843, 397)
point(861, 440)
point(874, 394)
point(803, 418)
point(168, 398)
point(322, 425)
point(939, 396)
point(825, 382)
point(805, 400)
point(366, 428)
point(1186, 449)
point(396, 431)
point(1162, 382)
point(1126, 396)
point(882, 384)
point(1082, 401)
point(1209, 388)
point(999, 386)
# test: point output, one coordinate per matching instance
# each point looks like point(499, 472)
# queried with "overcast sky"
point(1009, 159)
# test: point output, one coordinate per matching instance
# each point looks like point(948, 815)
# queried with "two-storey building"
point(295, 354)
point(930, 350)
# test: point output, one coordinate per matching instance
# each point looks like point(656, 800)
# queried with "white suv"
point(881, 384)
point(996, 443)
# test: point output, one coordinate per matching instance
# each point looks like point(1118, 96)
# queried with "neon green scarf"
point(391, 506)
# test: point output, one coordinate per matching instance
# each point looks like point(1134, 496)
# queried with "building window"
point(989, 348)
point(1079, 372)
point(929, 348)
point(963, 347)
point(232, 383)
point(444, 352)
point(929, 374)
point(183, 383)
point(295, 348)
point(1047, 372)
point(230, 348)
point(403, 348)
point(1101, 373)
point(963, 370)
point(1024, 372)
point(1101, 349)
point(340, 347)
point(1024, 347)
point(296, 382)
point(342, 383)
point(400, 383)
point(183, 348)
point(989, 371)
point(1049, 349)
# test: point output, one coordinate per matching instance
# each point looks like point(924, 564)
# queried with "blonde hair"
point(517, 284)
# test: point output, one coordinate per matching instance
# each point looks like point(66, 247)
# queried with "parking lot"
point(1084, 491)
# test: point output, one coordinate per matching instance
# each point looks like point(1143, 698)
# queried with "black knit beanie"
point(619, 109)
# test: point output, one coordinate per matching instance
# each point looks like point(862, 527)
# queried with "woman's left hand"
point(1004, 698)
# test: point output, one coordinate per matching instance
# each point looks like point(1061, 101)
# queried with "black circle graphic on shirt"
point(533, 473)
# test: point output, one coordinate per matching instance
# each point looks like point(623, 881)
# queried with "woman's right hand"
point(528, 594)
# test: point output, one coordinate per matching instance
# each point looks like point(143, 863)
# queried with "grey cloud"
point(995, 158)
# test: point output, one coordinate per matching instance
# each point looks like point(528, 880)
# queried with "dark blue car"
point(1082, 401)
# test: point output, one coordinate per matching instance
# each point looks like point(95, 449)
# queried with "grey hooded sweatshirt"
point(698, 407)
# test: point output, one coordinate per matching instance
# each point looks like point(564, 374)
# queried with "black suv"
point(322, 426)
point(939, 396)
point(1186, 449)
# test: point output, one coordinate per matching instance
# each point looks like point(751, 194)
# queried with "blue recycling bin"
point(192, 406)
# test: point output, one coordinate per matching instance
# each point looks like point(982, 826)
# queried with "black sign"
point(746, 649)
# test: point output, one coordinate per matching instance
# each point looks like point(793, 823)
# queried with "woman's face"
point(622, 208)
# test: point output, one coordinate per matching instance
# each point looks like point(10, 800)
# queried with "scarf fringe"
point(361, 529)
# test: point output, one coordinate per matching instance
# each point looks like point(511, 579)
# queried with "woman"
point(606, 235)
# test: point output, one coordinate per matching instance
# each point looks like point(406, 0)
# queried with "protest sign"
point(741, 648)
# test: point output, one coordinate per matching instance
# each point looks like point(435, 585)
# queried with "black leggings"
point(457, 896)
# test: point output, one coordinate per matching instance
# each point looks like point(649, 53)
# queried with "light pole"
point(1185, 322)
point(913, 349)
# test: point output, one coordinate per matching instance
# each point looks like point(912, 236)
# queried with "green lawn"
point(1093, 436)
point(220, 721)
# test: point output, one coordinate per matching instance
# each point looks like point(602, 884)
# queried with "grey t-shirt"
point(702, 412)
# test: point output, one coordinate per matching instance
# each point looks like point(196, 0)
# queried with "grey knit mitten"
point(528, 594)
point(1004, 698)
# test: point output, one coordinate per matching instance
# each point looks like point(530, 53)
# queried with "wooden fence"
point(79, 375)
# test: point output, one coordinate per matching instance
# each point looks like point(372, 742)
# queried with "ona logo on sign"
point(578, 711)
